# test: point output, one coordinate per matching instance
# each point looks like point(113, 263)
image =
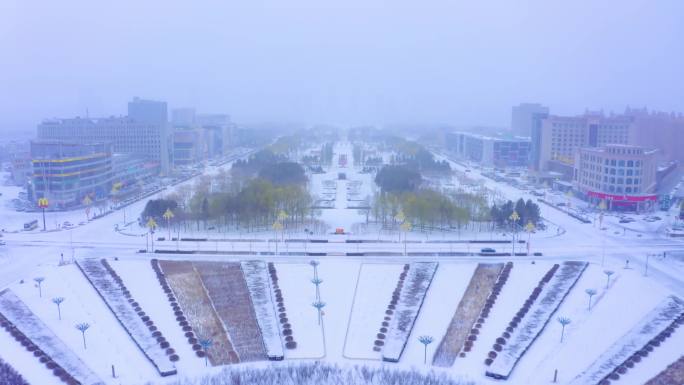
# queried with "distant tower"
point(522, 117)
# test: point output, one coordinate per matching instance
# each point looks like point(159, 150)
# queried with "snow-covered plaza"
point(574, 303)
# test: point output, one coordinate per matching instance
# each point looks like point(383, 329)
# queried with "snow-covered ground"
point(615, 310)
point(372, 294)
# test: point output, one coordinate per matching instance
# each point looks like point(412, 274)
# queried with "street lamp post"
point(529, 228)
point(43, 204)
point(277, 226)
point(405, 227)
point(168, 215)
point(514, 220)
point(602, 206)
point(151, 225)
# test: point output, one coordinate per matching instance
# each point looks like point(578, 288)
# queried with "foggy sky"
point(346, 62)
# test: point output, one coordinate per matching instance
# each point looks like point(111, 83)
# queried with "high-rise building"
point(621, 175)
point(125, 136)
point(148, 111)
point(183, 117)
point(155, 113)
point(142, 133)
point(522, 117)
point(65, 173)
point(556, 139)
point(661, 130)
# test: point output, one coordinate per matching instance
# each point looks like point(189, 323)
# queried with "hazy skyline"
point(352, 62)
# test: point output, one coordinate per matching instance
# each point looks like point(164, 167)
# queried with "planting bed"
point(130, 315)
point(287, 333)
point(389, 311)
point(257, 279)
point(29, 331)
point(9, 376)
point(194, 304)
point(674, 374)
point(633, 347)
point(472, 311)
point(530, 321)
point(375, 285)
point(228, 291)
point(417, 283)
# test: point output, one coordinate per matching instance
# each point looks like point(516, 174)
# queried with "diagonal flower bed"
point(132, 318)
point(417, 283)
point(257, 279)
point(17, 319)
point(673, 374)
point(287, 332)
point(391, 307)
point(194, 305)
point(472, 311)
point(9, 376)
point(228, 291)
point(630, 349)
point(530, 321)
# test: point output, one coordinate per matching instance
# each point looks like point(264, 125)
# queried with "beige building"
point(556, 139)
point(621, 175)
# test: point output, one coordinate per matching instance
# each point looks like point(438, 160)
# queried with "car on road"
point(487, 250)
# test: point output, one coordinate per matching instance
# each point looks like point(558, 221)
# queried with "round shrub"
point(290, 345)
point(491, 354)
point(174, 358)
point(379, 343)
point(200, 353)
point(488, 361)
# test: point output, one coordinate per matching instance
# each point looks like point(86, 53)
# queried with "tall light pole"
point(529, 228)
point(87, 202)
point(602, 206)
point(405, 227)
point(277, 226)
point(514, 218)
point(151, 225)
point(400, 217)
point(168, 215)
point(43, 204)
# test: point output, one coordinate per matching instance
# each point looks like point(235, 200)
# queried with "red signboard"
point(623, 198)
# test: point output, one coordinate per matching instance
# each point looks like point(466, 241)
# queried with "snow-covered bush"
point(379, 341)
point(9, 376)
point(175, 307)
point(321, 374)
point(287, 331)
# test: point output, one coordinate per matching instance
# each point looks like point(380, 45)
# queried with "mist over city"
point(359, 193)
